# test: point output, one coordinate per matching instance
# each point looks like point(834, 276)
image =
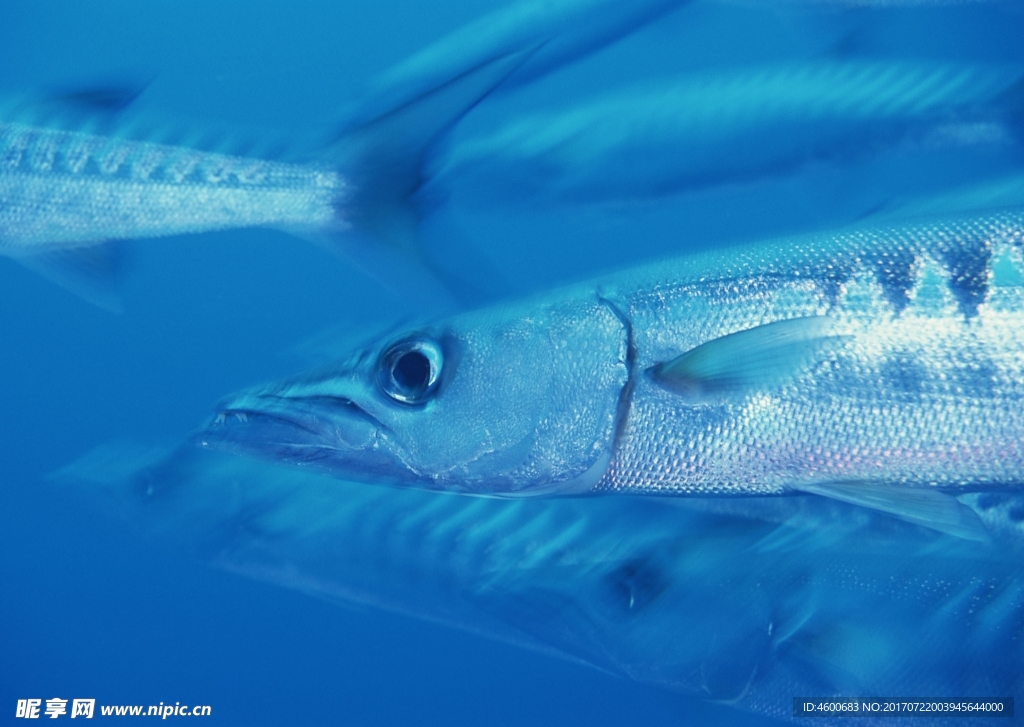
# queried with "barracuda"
point(65, 195)
point(882, 366)
point(62, 188)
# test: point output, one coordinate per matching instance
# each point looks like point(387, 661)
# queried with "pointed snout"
point(289, 423)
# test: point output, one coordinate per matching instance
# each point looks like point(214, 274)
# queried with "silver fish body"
point(923, 385)
point(890, 356)
point(61, 189)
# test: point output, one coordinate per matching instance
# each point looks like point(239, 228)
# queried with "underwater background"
point(91, 611)
point(88, 609)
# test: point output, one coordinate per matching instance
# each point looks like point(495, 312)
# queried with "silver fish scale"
point(923, 386)
point(59, 188)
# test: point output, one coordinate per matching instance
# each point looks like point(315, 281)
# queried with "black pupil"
point(412, 371)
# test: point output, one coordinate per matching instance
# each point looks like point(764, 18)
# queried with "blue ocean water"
point(90, 610)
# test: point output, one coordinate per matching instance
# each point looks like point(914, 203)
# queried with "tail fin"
point(383, 159)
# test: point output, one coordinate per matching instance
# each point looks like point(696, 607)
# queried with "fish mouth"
point(295, 429)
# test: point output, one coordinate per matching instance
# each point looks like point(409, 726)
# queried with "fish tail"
point(382, 160)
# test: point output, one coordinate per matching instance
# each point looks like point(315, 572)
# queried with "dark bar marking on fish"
point(903, 374)
point(968, 265)
point(35, 151)
point(833, 278)
point(978, 378)
point(895, 272)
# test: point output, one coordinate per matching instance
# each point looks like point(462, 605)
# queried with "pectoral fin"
point(745, 362)
point(918, 505)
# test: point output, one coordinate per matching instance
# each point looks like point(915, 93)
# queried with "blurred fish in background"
point(749, 603)
point(708, 145)
point(66, 195)
point(736, 126)
point(805, 221)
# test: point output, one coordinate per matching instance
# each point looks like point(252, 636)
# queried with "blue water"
point(87, 608)
point(89, 611)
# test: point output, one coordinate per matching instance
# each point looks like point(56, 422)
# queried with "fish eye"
point(409, 371)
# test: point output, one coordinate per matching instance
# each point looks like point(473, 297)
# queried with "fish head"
point(509, 401)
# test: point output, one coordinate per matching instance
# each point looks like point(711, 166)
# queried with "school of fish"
point(791, 466)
